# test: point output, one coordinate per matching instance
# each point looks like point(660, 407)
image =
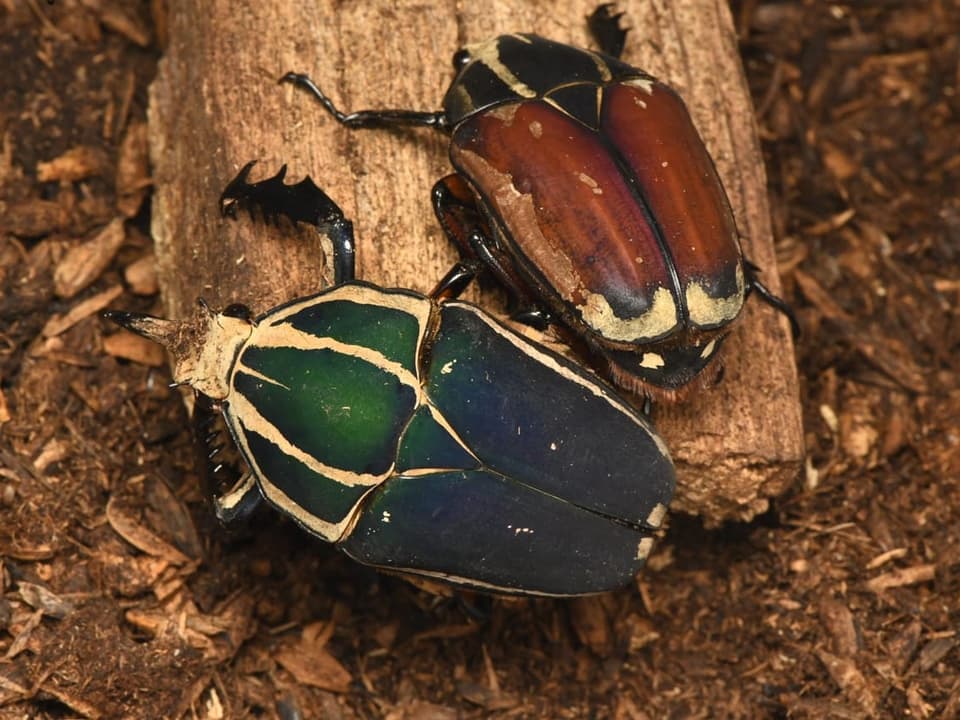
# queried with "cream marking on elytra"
point(531, 349)
point(655, 518)
point(448, 367)
point(590, 183)
point(644, 548)
point(536, 129)
point(414, 305)
point(286, 336)
point(240, 406)
point(706, 311)
point(651, 361)
point(708, 349)
point(445, 424)
point(488, 53)
point(644, 83)
point(260, 376)
point(234, 496)
point(385, 518)
point(659, 319)
point(329, 531)
point(519, 211)
point(468, 582)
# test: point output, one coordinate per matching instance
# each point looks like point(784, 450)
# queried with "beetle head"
point(203, 348)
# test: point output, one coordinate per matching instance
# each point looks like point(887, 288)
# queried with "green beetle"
point(423, 436)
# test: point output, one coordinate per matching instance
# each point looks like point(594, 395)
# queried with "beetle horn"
point(160, 331)
point(203, 348)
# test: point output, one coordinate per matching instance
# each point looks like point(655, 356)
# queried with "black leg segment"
point(302, 202)
point(754, 285)
point(604, 24)
point(368, 118)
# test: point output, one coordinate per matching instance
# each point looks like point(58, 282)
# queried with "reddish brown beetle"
point(584, 187)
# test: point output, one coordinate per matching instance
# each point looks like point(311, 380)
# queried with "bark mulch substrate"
point(120, 596)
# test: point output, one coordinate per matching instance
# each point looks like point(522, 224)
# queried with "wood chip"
point(58, 324)
point(311, 664)
point(119, 18)
point(591, 623)
point(933, 652)
point(133, 171)
point(53, 451)
point(838, 622)
point(141, 275)
point(132, 347)
point(884, 558)
point(848, 678)
point(905, 644)
point(75, 164)
point(34, 217)
point(131, 530)
point(81, 707)
point(902, 577)
point(83, 264)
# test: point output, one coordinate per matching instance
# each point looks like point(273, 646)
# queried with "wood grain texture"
point(216, 104)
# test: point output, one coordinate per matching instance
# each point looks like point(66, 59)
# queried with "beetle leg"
point(456, 280)
point(368, 118)
point(777, 303)
point(455, 206)
point(604, 24)
point(238, 502)
point(456, 209)
point(302, 202)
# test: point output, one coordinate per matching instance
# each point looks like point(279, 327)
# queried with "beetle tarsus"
point(301, 202)
point(368, 118)
point(604, 24)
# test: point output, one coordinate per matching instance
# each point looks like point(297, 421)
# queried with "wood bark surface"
point(216, 104)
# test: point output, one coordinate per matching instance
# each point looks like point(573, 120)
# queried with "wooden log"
point(216, 104)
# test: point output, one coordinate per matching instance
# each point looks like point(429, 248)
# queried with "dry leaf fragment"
point(311, 664)
point(21, 639)
point(41, 598)
point(130, 529)
point(83, 264)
